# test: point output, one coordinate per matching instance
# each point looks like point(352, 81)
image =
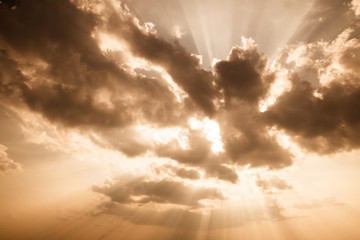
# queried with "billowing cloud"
point(79, 85)
point(6, 163)
point(69, 79)
point(189, 147)
point(184, 68)
point(244, 79)
point(243, 76)
point(108, 73)
point(247, 141)
point(321, 108)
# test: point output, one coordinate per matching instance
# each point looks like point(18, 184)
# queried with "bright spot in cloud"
point(178, 92)
point(280, 85)
point(108, 42)
point(356, 6)
point(211, 130)
point(162, 135)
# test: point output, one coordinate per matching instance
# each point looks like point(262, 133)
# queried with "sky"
point(179, 119)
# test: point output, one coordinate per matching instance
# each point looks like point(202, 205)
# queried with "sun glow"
point(280, 85)
point(211, 130)
point(163, 135)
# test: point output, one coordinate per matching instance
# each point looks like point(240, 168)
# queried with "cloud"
point(184, 68)
point(64, 72)
point(322, 117)
point(247, 141)
point(186, 173)
point(6, 163)
point(71, 60)
point(108, 79)
point(198, 153)
point(64, 85)
point(190, 174)
point(189, 220)
point(70, 80)
point(272, 183)
point(175, 217)
point(167, 191)
point(243, 76)
point(244, 79)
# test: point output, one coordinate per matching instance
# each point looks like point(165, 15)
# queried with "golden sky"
point(179, 119)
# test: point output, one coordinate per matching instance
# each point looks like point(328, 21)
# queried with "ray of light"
point(270, 25)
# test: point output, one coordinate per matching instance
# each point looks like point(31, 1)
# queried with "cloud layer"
point(61, 72)
point(105, 74)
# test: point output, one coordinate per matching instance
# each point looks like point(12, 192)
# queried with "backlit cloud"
point(208, 147)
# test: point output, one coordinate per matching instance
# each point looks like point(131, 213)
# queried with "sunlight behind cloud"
point(280, 85)
point(182, 119)
point(211, 130)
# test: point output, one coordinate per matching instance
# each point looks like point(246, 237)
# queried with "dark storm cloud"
point(244, 79)
point(243, 75)
point(142, 191)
